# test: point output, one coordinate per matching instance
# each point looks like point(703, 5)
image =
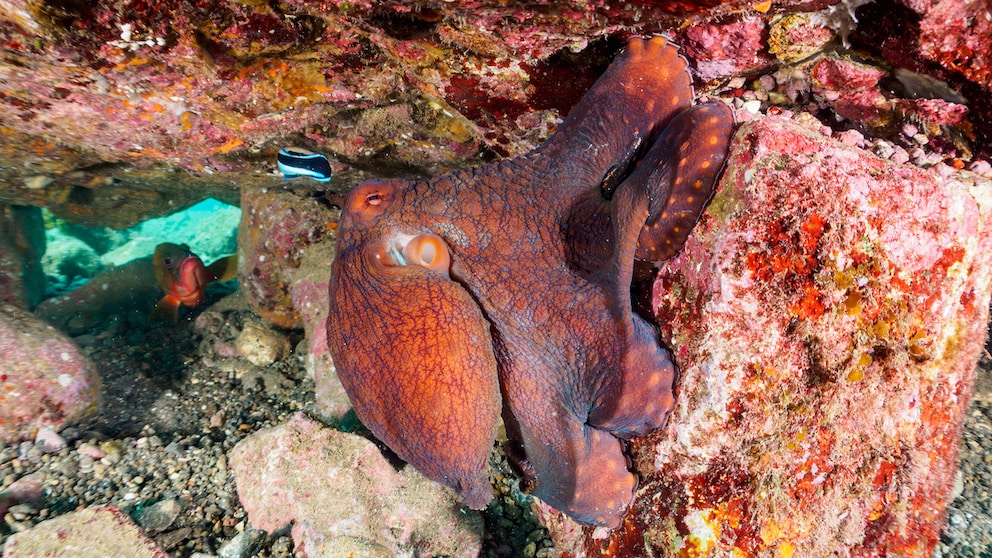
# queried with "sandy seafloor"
point(174, 408)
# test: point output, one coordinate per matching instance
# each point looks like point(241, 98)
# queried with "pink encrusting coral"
point(956, 35)
point(827, 315)
point(726, 48)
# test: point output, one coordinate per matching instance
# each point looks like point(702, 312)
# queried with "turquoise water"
point(75, 253)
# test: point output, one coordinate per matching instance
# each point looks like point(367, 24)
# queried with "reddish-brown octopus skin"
point(506, 289)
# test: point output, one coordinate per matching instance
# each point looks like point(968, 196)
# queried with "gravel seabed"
point(174, 408)
point(968, 531)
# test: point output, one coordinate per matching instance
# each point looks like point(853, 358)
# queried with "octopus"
point(504, 292)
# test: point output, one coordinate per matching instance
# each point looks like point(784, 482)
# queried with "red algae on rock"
point(827, 313)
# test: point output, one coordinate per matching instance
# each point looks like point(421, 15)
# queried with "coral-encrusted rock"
point(45, 380)
point(331, 485)
point(827, 315)
point(852, 89)
point(958, 35)
point(95, 532)
point(854, 92)
point(726, 48)
point(310, 298)
point(276, 228)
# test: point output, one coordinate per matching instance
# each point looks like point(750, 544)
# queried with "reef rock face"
point(957, 35)
point(22, 244)
point(45, 380)
point(275, 231)
point(103, 102)
point(337, 489)
point(310, 298)
point(827, 316)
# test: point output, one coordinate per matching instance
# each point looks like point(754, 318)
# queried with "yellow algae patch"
point(186, 121)
point(285, 85)
point(228, 146)
point(703, 531)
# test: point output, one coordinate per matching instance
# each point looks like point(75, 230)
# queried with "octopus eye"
point(370, 200)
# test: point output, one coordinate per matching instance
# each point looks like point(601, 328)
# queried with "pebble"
point(943, 169)
point(38, 182)
point(753, 106)
point(899, 155)
point(853, 138)
point(173, 539)
point(767, 82)
point(21, 512)
point(68, 468)
point(48, 440)
point(29, 453)
point(918, 156)
point(883, 149)
point(982, 168)
point(159, 516)
point(243, 545)
point(261, 345)
point(90, 451)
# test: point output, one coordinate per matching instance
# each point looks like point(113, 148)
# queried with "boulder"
point(726, 47)
point(957, 35)
point(95, 532)
point(827, 316)
point(46, 380)
point(332, 487)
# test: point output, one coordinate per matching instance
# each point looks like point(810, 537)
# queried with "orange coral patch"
point(228, 146)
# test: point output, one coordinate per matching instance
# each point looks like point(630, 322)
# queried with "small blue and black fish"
point(295, 162)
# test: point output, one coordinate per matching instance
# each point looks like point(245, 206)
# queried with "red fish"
point(184, 278)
